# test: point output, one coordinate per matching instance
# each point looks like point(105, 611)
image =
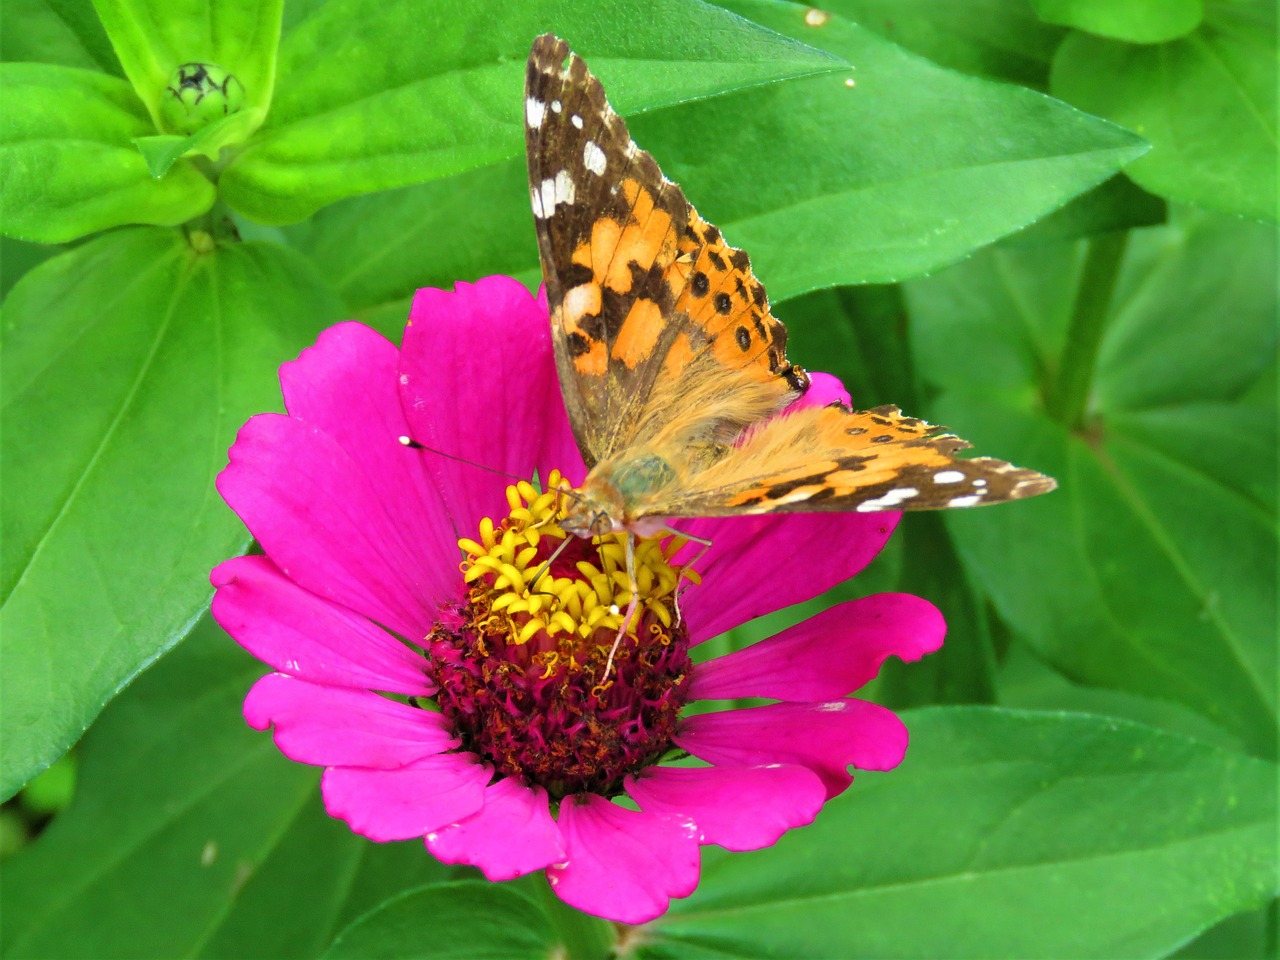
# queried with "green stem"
point(1069, 398)
point(583, 936)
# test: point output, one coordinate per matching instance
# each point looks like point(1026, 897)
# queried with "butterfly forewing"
point(644, 293)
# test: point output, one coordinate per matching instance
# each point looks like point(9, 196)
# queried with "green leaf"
point(68, 167)
point(65, 32)
point(1246, 936)
point(449, 920)
point(1001, 39)
point(1117, 204)
point(1135, 21)
point(153, 38)
point(366, 108)
point(17, 257)
point(128, 364)
point(163, 150)
point(822, 184)
point(856, 333)
point(1003, 834)
point(1206, 102)
point(1152, 569)
point(190, 835)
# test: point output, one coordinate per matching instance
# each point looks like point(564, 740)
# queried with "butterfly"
point(672, 366)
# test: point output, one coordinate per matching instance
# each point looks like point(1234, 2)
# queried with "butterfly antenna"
point(413, 444)
point(546, 564)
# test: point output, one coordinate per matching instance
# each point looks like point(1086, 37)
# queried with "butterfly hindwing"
point(832, 458)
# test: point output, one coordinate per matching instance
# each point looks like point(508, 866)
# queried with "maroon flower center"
point(525, 673)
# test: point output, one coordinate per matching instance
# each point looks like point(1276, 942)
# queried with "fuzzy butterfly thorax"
point(672, 366)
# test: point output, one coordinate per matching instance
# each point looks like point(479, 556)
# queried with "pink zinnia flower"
point(450, 699)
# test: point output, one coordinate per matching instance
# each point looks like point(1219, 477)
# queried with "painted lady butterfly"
point(672, 366)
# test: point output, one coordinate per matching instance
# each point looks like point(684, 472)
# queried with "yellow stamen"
point(580, 614)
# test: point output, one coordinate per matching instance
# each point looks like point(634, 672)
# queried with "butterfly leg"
point(701, 541)
point(634, 587)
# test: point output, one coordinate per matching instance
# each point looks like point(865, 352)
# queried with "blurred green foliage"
point(1046, 223)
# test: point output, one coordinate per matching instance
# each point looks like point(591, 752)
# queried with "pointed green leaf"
point(163, 150)
point(68, 168)
point(1003, 834)
point(1118, 204)
point(1153, 568)
point(364, 108)
point(1206, 102)
point(1001, 39)
point(1135, 21)
point(190, 835)
point(65, 32)
point(153, 38)
point(128, 365)
point(835, 185)
point(481, 920)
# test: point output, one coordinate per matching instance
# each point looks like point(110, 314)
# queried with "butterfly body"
point(672, 366)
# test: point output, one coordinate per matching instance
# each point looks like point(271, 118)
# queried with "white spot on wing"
point(966, 501)
point(534, 111)
point(581, 299)
point(556, 106)
point(593, 158)
point(576, 121)
point(889, 500)
point(948, 476)
point(551, 192)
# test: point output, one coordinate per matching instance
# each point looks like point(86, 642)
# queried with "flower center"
point(522, 674)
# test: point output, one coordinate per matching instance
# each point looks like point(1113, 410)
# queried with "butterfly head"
point(591, 510)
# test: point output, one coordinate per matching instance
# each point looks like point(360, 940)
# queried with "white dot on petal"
point(835, 706)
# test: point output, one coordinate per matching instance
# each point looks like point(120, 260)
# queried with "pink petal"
point(408, 802)
point(326, 524)
point(302, 635)
point(559, 448)
point(824, 390)
point(828, 655)
point(512, 835)
point(740, 808)
point(825, 737)
point(477, 381)
point(331, 726)
point(757, 565)
point(623, 865)
point(347, 384)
